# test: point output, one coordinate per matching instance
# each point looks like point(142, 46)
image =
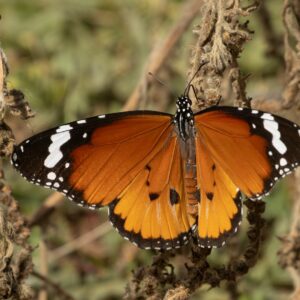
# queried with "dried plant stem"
point(221, 37)
point(274, 42)
point(289, 254)
point(62, 294)
point(162, 51)
point(76, 244)
point(48, 206)
point(43, 295)
point(15, 252)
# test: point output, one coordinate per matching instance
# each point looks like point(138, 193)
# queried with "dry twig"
point(162, 51)
point(289, 257)
point(221, 37)
point(62, 294)
point(15, 252)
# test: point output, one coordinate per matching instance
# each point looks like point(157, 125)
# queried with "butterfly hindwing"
point(254, 148)
point(151, 211)
point(220, 205)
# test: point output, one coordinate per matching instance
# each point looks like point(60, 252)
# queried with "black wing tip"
point(150, 243)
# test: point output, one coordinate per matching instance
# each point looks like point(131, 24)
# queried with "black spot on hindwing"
point(153, 196)
point(174, 197)
point(209, 195)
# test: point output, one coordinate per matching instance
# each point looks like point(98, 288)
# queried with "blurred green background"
point(75, 59)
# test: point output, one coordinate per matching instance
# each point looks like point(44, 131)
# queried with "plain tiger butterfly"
point(164, 177)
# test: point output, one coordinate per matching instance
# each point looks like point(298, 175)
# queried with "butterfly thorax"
point(184, 118)
point(184, 123)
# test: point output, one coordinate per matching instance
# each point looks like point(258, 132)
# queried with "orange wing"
point(220, 205)
point(152, 211)
point(93, 160)
point(238, 149)
point(255, 149)
point(114, 155)
point(130, 161)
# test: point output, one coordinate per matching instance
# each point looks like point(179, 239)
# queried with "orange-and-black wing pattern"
point(250, 150)
point(92, 160)
point(152, 210)
point(148, 168)
point(129, 161)
point(220, 204)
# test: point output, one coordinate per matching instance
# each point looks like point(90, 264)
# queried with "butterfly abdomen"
point(190, 178)
point(192, 193)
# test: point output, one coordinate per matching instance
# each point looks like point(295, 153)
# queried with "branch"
point(161, 52)
point(221, 38)
point(289, 257)
point(15, 252)
point(63, 295)
point(80, 242)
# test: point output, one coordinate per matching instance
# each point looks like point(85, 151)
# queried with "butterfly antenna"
point(162, 83)
point(193, 77)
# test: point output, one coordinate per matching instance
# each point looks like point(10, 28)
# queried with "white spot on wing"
point(51, 175)
point(267, 116)
point(55, 155)
point(81, 121)
point(56, 185)
point(283, 161)
point(101, 116)
point(64, 128)
point(272, 127)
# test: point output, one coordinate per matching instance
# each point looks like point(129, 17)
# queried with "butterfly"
point(165, 177)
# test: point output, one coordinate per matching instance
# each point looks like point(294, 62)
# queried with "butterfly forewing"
point(92, 160)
